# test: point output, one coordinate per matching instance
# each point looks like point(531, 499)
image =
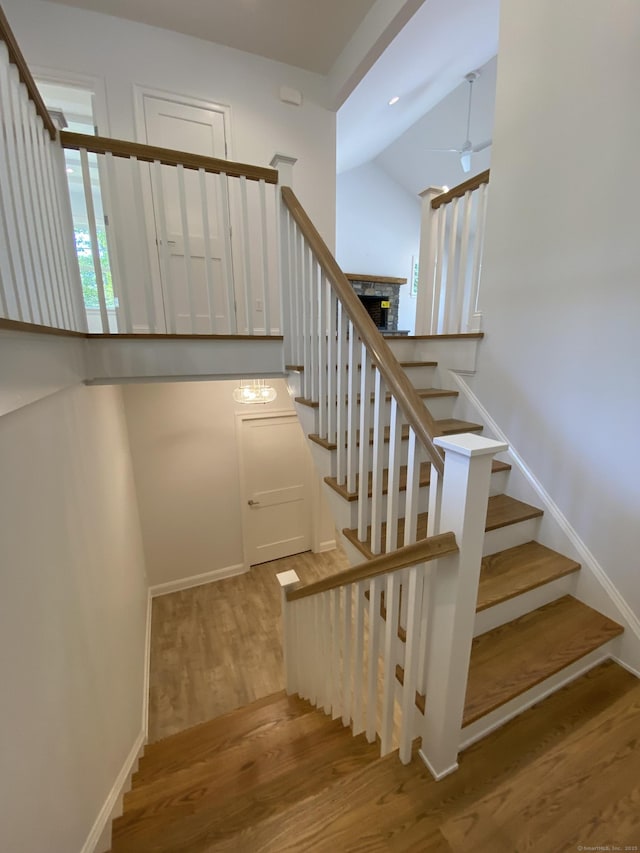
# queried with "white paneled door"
point(275, 488)
point(189, 213)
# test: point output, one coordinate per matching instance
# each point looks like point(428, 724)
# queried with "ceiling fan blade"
point(449, 150)
point(482, 146)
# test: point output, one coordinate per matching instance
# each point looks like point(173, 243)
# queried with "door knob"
point(253, 503)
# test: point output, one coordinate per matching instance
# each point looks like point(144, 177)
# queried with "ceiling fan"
point(468, 148)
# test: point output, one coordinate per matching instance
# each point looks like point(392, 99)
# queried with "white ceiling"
point(309, 34)
point(427, 59)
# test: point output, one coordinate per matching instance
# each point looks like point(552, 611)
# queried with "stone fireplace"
point(380, 295)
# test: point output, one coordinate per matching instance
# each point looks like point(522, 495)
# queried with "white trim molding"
point(101, 829)
point(197, 580)
point(587, 559)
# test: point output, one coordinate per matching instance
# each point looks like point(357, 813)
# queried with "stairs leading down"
point(531, 634)
point(278, 777)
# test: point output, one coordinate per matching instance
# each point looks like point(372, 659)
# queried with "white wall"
point(378, 230)
point(72, 616)
point(185, 457)
point(560, 363)
point(123, 53)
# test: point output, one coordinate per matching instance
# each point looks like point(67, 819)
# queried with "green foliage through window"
point(87, 270)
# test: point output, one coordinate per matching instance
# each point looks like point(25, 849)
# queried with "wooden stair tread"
point(423, 393)
point(269, 783)
point(514, 571)
point(198, 742)
point(446, 426)
point(203, 783)
point(514, 657)
point(502, 511)
point(424, 480)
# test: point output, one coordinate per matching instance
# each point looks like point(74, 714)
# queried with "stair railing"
point(350, 375)
point(329, 333)
point(180, 243)
point(39, 277)
point(450, 260)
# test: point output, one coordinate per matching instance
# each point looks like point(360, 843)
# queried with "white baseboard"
point(587, 559)
point(626, 666)
point(328, 545)
point(100, 831)
point(147, 670)
point(197, 580)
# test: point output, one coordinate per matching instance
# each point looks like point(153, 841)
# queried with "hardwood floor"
point(218, 647)
point(278, 776)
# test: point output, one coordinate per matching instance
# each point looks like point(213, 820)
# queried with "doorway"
point(275, 486)
point(188, 213)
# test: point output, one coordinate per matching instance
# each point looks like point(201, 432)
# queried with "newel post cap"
point(468, 444)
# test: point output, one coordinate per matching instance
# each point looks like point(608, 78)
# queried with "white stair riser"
point(450, 353)
point(510, 536)
point(493, 617)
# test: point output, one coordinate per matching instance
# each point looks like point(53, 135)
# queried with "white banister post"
point(288, 580)
point(284, 166)
point(465, 493)
point(426, 261)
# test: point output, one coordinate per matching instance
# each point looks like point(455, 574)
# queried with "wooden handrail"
point(461, 189)
point(420, 552)
point(168, 157)
point(411, 405)
point(17, 59)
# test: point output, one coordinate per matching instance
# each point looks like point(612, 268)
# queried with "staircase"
point(278, 776)
point(518, 645)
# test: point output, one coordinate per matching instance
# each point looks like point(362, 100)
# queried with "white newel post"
point(288, 580)
point(284, 164)
point(426, 261)
point(465, 492)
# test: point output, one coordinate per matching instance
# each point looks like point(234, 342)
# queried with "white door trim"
point(240, 418)
point(140, 91)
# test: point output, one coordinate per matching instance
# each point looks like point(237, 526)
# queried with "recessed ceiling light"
point(394, 100)
point(445, 189)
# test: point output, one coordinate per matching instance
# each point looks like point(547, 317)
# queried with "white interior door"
point(192, 303)
point(275, 489)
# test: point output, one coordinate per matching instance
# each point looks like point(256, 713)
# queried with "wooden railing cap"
point(461, 190)
point(422, 551)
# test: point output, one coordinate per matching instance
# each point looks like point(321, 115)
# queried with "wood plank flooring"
point(562, 775)
point(218, 647)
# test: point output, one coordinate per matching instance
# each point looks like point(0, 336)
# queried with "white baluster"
point(186, 241)
point(111, 195)
point(440, 271)
point(93, 233)
point(143, 240)
point(333, 374)
point(325, 649)
point(265, 258)
point(342, 395)
point(227, 254)
point(364, 449)
point(164, 254)
point(352, 409)
point(452, 266)
point(324, 369)
point(472, 313)
point(358, 658)
point(393, 477)
point(208, 264)
point(465, 492)
point(427, 262)
point(246, 253)
point(375, 587)
point(413, 491)
point(412, 594)
point(288, 580)
point(463, 283)
point(285, 275)
point(389, 663)
point(346, 656)
point(311, 310)
point(377, 468)
point(336, 681)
